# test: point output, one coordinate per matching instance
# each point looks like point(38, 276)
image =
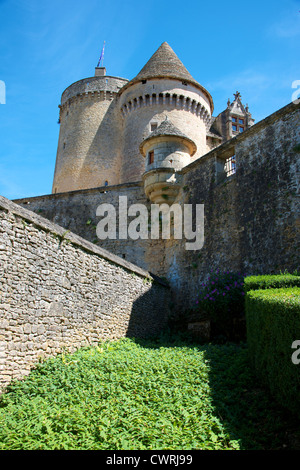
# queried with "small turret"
point(167, 150)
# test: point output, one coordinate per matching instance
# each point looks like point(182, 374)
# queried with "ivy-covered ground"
point(132, 394)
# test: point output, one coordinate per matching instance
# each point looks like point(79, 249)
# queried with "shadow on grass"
point(248, 412)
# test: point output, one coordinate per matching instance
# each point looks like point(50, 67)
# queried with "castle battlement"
point(168, 100)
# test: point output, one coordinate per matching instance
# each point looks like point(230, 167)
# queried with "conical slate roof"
point(164, 63)
point(166, 128)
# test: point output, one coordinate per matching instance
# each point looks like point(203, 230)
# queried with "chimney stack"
point(100, 71)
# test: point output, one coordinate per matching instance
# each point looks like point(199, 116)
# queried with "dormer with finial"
point(234, 120)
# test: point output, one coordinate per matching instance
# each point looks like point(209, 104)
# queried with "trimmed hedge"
point(275, 281)
point(273, 324)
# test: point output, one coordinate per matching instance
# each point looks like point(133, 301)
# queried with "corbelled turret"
point(167, 151)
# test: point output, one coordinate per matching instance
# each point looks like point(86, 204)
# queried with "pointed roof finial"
point(237, 95)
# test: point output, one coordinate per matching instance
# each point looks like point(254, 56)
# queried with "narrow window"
point(230, 167)
point(241, 129)
point(234, 128)
point(241, 121)
point(106, 183)
point(151, 157)
point(153, 126)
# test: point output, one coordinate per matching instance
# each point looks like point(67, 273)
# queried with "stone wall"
point(251, 217)
point(60, 292)
point(76, 211)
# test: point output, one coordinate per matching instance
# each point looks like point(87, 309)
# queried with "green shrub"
point(273, 324)
point(275, 281)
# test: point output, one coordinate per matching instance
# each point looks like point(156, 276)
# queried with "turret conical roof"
point(167, 129)
point(164, 63)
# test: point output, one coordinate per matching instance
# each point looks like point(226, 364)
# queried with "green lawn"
point(132, 394)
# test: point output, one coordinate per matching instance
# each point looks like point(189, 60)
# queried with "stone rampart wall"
point(60, 292)
point(251, 219)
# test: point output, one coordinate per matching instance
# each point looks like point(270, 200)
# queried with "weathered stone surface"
point(251, 218)
point(109, 297)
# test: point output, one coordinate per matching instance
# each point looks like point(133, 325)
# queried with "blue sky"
point(252, 47)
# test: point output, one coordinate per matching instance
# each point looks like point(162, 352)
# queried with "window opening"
point(151, 157)
point(230, 167)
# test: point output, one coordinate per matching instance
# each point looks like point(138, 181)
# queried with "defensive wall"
point(251, 218)
point(59, 292)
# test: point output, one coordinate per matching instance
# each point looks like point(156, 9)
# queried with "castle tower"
point(166, 151)
point(163, 87)
point(89, 145)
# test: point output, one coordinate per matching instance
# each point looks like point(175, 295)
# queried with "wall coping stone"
point(225, 150)
point(98, 189)
point(84, 244)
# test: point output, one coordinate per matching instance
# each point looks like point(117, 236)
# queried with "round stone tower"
point(167, 150)
point(90, 138)
point(163, 88)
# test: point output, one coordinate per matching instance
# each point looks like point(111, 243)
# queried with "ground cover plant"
point(130, 394)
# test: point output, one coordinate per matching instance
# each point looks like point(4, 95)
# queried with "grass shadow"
point(247, 411)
